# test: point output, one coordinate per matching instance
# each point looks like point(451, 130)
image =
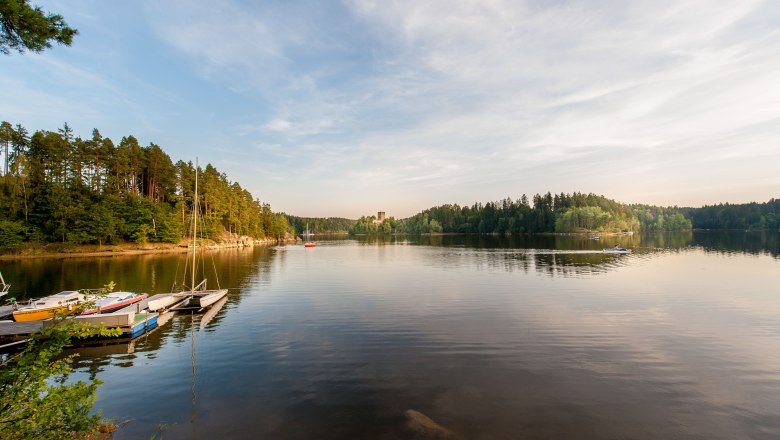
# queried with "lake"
point(491, 337)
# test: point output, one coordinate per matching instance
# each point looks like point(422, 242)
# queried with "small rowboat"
point(622, 251)
point(310, 244)
point(115, 301)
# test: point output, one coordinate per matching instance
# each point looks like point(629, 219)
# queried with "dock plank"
point(12, 331)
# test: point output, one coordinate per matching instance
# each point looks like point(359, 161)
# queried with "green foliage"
point(36, 399)
point(23, 27)
point(62, 188)
point(369, 225)
point(12, 234)
point(656, 218)
point(549, 213)
point(320, 225)
point(747, 216)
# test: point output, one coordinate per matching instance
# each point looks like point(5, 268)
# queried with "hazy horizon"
point(342, 109)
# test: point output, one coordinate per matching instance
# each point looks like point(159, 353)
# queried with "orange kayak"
point(310, 244)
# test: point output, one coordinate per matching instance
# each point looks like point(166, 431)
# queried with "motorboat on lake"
point(45, 308)
point(617, 250)
point(115, 301)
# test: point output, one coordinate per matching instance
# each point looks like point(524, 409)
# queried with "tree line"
point(576, 212)
point(58, 187)
point(747, 216)
point(320, 225)
point(542, 213)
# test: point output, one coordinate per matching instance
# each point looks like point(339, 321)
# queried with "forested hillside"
point(736, 216)
point(57, 187)
point(318, 225)
point(575, 212)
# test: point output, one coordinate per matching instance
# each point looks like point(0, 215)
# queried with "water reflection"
point(755, 242)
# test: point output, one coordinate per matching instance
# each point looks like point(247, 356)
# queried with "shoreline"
point(129, 249)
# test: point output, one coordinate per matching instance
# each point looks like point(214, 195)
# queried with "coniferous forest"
point(576, 212)
point(57, 187)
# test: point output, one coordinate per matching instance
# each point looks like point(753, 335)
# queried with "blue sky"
point(345, 108)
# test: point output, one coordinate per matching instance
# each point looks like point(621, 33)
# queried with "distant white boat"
point(619, 250)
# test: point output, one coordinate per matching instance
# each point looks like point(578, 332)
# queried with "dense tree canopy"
point(24, 27)
point(62, 188)
point(543, 213)
point(576, 212)
point(317, 225)
point(736, 216)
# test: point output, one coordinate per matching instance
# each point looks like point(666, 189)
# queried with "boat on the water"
point(45, 308)
point(310, 244)
point(618, 250)
point(115, 301)
point(197, 296)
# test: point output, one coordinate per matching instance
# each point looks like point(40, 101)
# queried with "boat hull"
point(38, 314)
point(211, 298)
point(163, 303)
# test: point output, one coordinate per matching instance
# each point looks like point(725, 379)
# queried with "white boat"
point(45, 308)
point(162, 302)
point(210, 298)
point(621, 251)
point(115, 301)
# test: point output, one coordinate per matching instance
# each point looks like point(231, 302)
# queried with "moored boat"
point(115, 301)
point(45, 308)
point(212, 297)
point(197, 296)
point(310, 244)
point(617, 251)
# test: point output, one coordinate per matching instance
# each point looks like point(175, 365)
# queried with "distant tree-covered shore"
point(57, 187)
point(573, 213)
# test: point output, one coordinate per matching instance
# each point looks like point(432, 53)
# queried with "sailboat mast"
point(195, 226)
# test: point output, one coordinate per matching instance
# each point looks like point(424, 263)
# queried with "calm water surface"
point(494, 338)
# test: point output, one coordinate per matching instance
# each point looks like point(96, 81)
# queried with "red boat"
point(115, 301)
point(309, 244)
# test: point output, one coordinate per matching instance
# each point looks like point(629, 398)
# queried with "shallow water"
point(493, 338)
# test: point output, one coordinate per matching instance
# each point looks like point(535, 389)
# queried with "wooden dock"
point(11, 332)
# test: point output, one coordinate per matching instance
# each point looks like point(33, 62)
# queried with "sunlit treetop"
point(24, 27)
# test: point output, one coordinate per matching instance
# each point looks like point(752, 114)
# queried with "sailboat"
point(306, 236)
point(199, 296)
